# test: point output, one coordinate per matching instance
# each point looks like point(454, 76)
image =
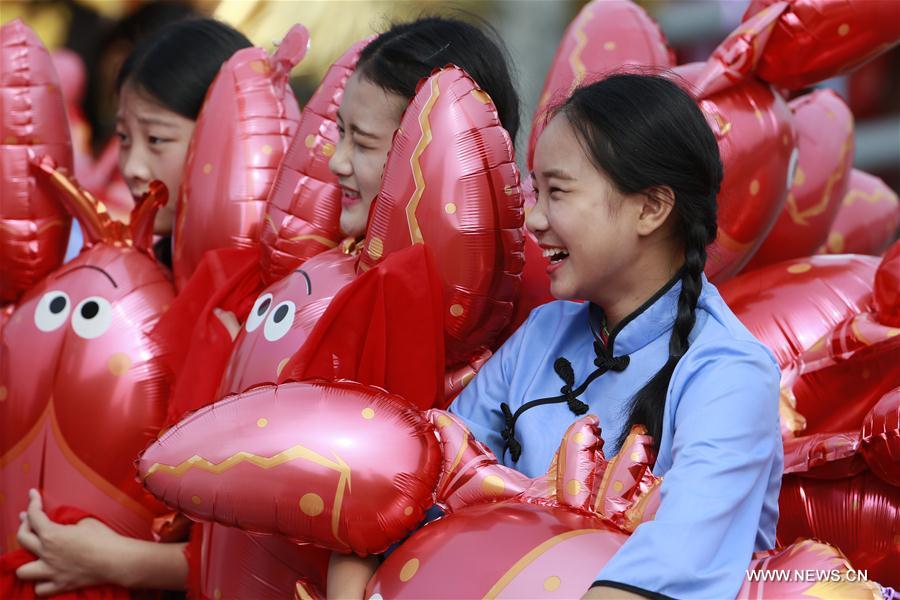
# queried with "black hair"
point(644, 131)
point(177, 65)
point(407, 52)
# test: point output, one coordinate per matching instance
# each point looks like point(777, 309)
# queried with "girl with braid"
point(627, 172)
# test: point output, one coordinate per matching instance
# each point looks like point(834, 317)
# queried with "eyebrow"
point(153, 121)
point(359, 131)
point(556, 174)
point(308, 282)
point(108, 276)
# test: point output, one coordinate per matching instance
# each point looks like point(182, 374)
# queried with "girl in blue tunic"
point(627, 172)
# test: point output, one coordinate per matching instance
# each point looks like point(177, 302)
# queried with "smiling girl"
point(627, 173)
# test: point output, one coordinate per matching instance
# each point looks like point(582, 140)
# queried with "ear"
point(656, 205)
point(143, 215)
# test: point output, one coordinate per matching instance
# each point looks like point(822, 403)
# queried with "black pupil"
point(57, 305)
point(281, 313)
point(264, 307)
point(90, 310)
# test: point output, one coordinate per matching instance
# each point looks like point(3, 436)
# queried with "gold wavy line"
point(415, 234)
point(264, 462)
point(316, 238)
point(529, 558)
point(800, 216)
point(872, 198)
point(577, 66)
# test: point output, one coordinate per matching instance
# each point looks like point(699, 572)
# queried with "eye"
point(258, 312)
point(52, 310)
point(92, 317)
point(280, 321)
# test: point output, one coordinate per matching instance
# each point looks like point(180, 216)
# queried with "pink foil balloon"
point(442, 185)
point(868, 218)
point(605, 36)
point(34, 226)
point(343, 464)
point(245, 126)
point(813, 40)
point(749, 120)
point(304, 206)
point(824, 126)
point(83, 387)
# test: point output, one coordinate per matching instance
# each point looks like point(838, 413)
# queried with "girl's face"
point(586, 227)
point(153, 145)
point(366, 120)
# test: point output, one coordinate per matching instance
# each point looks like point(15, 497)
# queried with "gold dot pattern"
point(375, 247)
point(836, 242)
point(217, 594)
point(312, 505)
point(4, 393)
point(196, 499)
point(456, 310)
point(310, 141)
point(843, 30)
point(754, 187)
point(609, 46)
point(552, 583)
point(799, 268)
point(267, 149)
point(493, 485)
point(450, 208)
point(618, 485)
point(635, 456)
point(207, 168)
point(409, 569)
point(573, 487)
point(443, 421)
point(327, 149)
point(262, 422)
point(481, 96)
point(118, 364)
point(368, 413)
point(579, 437)
point(408, 510)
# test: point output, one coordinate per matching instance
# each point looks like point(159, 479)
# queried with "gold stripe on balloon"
point(415, 234)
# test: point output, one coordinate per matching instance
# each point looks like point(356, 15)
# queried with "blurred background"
point(101, 33)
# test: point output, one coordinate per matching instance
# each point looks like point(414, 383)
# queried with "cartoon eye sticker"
point(92, 317)
point(280, 320)
point(52, 310)
point(258, 312)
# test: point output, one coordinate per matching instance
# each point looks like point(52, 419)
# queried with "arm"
point(348, 575)
point(725, 448)
point(90, 553)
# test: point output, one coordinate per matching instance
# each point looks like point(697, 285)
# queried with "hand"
point(69, 556)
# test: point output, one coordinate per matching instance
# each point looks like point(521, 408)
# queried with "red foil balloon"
point(789, 306)
point(867, 220)
point(881, 437)
point(749, 120)
point(83, 387)
point(448, 161)
point(814, 40)
point(34, 226)
point(858, 514)
point(355, 473)
point(605, 36)
point(304, 207)
point(824, 126)
point(244, 128)
point(887, 288)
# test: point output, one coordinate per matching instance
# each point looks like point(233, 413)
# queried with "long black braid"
point(644, 131)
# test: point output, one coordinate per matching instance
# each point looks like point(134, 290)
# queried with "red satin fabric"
point(14, 588)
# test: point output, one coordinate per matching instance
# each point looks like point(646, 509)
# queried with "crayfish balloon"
point(304, 206)
point(34, 226)
point(448, 161)
point(814, 40)
point(868, 218)
point(245, 125)
point(84, 386)
point(606, 36)
point(824, 127)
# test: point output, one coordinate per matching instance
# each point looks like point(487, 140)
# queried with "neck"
point(646, 276)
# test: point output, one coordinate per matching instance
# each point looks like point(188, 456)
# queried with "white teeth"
point(555, 254)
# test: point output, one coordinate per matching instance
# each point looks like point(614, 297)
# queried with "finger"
point(27, 539)
point(36, 569)
point(49, 588)
point(37, 518)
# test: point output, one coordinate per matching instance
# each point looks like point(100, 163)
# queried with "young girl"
point(383, 84)
point(161, 86)
point(627, 173)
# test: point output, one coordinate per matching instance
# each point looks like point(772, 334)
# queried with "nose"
point(339, 163)
point(134, 166)
point(536, 221)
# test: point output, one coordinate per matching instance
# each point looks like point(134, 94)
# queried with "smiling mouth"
point(349, 197)
point(555, 255)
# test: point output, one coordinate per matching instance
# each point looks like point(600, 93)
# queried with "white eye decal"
point(280, 321)
point(258, 312)
point(52, 310)
point(92, 317)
